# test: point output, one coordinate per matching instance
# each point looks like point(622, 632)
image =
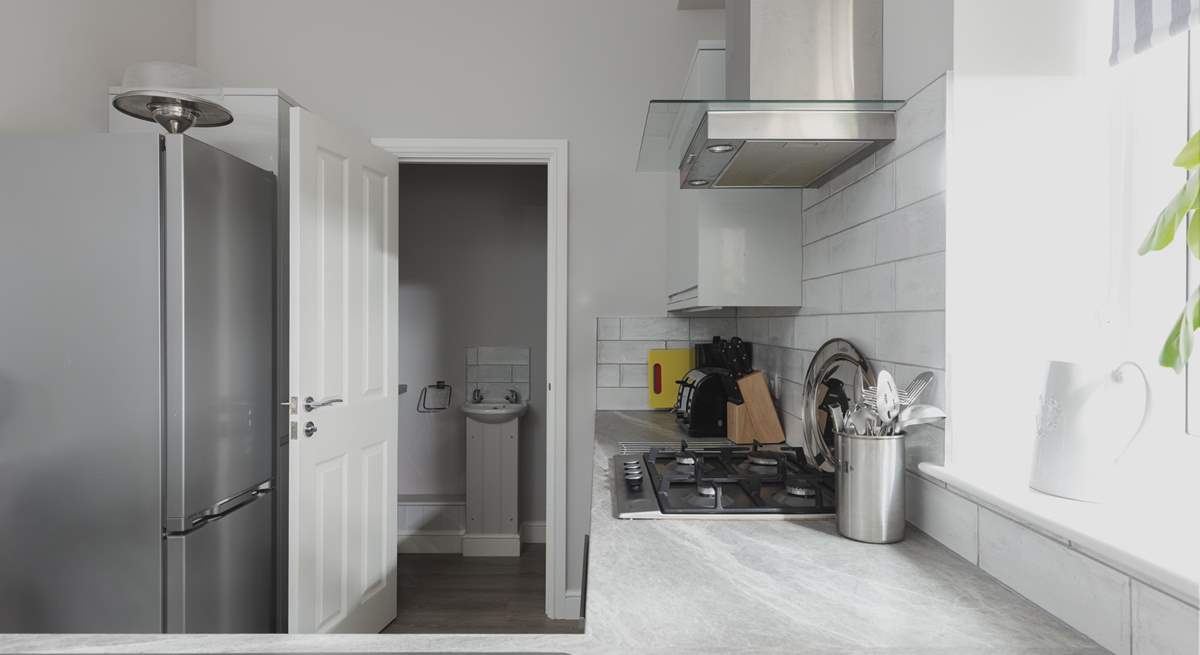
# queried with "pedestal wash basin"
point(494, 412)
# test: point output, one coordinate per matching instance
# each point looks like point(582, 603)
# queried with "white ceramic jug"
point(1089, 416)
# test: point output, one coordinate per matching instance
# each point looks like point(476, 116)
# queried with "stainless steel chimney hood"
point(826, 51)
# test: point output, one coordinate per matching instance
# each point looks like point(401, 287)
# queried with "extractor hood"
point(828, 52)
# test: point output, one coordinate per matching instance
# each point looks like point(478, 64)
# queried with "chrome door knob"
point(309, 429)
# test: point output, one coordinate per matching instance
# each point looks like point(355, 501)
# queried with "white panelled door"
point(342, 318)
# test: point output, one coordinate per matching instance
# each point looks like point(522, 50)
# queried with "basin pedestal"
point(492, 527)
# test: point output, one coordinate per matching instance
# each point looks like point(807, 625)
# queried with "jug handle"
point(1116, 376)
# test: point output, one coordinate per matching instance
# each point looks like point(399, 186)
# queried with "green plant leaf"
point(1167, 223)
point(1189, 157)
point(1179, 343)
point(1193, 235)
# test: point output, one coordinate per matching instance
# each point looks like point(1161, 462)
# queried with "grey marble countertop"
point(713, 586)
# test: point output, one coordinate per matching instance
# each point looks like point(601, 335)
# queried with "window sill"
point(1152, 538)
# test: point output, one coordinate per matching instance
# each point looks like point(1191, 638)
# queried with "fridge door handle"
point(223, 507)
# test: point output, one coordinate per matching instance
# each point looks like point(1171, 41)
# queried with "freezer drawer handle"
point(310, 404)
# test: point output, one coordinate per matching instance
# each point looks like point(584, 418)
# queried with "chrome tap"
point(477, 395)
point(513, 396)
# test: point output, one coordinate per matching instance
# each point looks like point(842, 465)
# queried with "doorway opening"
point(497, 304)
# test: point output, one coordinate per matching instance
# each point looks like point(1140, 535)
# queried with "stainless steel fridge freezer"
point(136, 337)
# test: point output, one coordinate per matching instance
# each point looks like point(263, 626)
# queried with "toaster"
point(700, 404)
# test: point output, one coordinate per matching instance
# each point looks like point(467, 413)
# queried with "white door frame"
point(553, 154)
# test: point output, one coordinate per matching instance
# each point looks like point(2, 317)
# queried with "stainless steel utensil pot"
point(870, 487)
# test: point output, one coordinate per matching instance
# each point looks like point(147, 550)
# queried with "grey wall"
point(581, 71)
point(472, 273)
point(60, 56)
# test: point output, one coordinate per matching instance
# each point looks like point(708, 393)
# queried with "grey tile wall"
point(622, 344)
point(496, 369)
point(874, 270)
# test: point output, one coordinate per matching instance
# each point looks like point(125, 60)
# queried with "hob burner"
point(757, 458)
point(799, 488)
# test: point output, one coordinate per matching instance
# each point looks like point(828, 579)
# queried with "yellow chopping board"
point(664, 367)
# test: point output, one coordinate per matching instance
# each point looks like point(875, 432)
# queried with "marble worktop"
point(716, 586)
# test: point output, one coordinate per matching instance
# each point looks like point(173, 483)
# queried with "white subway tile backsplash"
point(704, 329)
point(794, 364)
point(851, 175)
point(1163, 625)
point(491, 373)
point(817, 260)
point(496, 391)
point(945, 516)
point(919, 120)
point(872, 196)
point(811, 332)
point(854, 248)
point(768, 358)
point(625, 352)
point(755, 330)
point(810, 197)
point(520, 373)
point(793, 429)
point(654, 328)
point(873, 269)
point(622, 399)
point(791, 396)
point(503, 355)
point(608, 375)
point(921, 173)
point(680, 344)
point(822, 296)
point(869, 289)
point(858, 329)
point(824, 219)
point(781, 331)
point(921, 283)
point(608, 329)
point(472, 356)
point(1091, 597)
point(634, 375)
point(917, 229)
point(916, 338)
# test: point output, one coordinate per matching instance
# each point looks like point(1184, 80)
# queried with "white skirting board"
point(436, 525)
point(475, 544)
point(533, 532)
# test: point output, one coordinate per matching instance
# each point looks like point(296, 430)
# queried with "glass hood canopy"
point(762, 143)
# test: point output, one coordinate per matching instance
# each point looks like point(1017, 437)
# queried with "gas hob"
point(720, 481)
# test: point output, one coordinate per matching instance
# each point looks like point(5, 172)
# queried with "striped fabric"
point(1140, 24)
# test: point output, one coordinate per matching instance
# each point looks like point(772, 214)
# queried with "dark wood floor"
point(463, 595)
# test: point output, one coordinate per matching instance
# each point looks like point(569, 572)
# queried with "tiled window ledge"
point(1141, 538)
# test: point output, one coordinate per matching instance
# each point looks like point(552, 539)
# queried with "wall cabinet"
point(734, 248)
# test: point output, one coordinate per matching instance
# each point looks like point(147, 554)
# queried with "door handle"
point(309, 429)
point(310, 404)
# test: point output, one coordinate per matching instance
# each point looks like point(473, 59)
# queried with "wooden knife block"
point(738, 427)
point(760, 406)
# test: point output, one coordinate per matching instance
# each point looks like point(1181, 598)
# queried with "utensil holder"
point(870, 487)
